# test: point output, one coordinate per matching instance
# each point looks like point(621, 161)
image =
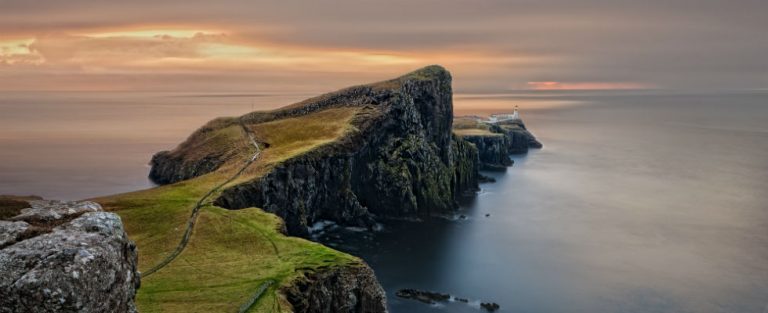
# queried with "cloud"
point(490, 45)
point(550, 85)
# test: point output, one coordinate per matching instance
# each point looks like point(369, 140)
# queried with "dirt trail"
point(196, 210)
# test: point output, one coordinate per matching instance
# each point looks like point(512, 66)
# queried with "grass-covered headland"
point(231, 254)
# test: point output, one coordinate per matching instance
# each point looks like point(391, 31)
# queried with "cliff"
point(495, 142)
point(216, 231)
point(64, 257)
point(401, 160)
point(345, 290)
point(518, 137)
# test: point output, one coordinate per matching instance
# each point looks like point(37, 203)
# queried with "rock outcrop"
point(204, 151)
point(402, 162)
point(66, 257)
point(350, 289)
point(519, 139)
point(493, 151)
point(495, 142)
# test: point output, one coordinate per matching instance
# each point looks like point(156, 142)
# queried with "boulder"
point(66, 257)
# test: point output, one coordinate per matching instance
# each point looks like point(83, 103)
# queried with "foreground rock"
point(66, 257)
point(351, 289)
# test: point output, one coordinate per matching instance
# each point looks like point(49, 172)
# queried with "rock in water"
point(428, 297)
point(495, 142)
point(490, 306)
point(66, 257)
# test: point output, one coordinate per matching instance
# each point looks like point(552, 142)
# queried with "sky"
point(307, 46)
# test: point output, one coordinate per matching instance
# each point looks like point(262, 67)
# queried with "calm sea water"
point(639, 202)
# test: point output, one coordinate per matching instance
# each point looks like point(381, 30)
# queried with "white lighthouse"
point(501, 117)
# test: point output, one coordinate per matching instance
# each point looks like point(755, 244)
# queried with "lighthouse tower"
point(515, 114)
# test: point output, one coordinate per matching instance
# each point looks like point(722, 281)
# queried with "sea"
point(639, 201)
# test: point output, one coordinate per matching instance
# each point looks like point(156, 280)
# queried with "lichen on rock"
point(66, 257)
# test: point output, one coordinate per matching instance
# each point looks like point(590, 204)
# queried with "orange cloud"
point(129, 57)
point(553, 85)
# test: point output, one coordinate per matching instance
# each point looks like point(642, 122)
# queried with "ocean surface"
point(642, 201)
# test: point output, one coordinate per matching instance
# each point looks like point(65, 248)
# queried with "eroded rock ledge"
point(403, 161)
point(352, 289)
point(495, 142)
point(66, 257)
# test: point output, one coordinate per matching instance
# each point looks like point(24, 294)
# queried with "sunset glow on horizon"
point(553, 85)
point(495, 47)
point(193, 51)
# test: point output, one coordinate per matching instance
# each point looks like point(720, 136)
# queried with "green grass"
point(292, 136)
point(220, 138)
point(230, 253)
point(11, 206)
point(465, 126)
point(474, 132)
point(468, 123)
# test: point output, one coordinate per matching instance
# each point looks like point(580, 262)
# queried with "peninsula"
point(225, 230)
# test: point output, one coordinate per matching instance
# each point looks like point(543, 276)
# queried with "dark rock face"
point(493, 151)
point(66, 257)
point(519, 139)
point(351, 289)
point(402, 163)
point(428, 297)
point(168, 168)
point(505, 138)
point(207, 149)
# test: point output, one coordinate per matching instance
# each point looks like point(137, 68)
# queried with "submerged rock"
point(66, 257)
point(490, 307)
point(428, 297)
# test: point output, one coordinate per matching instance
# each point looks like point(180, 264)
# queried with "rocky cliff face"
point(341, 290)
point(495, 142)
point(204, 151)
point(493, 151)
point(403, 161)
point(519, 139)
point(66, 257)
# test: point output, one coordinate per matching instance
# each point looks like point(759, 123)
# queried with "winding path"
point(196, 210)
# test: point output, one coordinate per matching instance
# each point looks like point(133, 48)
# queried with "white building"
point(501, 117)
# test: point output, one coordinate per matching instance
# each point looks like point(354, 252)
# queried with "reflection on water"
point(72, 145)
point(639, 202)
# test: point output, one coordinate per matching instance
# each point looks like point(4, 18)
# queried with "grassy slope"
point(231, 253)
point(464, 126)
point(475, 132)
